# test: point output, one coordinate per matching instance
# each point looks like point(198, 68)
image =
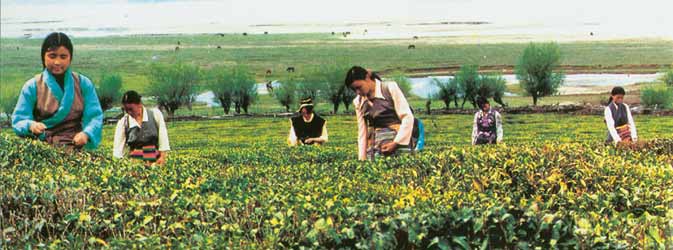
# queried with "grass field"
point(130, 56)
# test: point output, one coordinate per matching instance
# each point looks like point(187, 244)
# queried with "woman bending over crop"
point(621, 127)
point(385, 121)
point(142, 130)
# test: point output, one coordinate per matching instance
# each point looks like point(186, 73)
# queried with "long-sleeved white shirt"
point(292, 138)
point(611, 124)
point(402, 109)
point(120, 133)
point(498, 126)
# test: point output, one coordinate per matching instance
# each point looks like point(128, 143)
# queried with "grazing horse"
point(290, 69)
point(268, 72)
point(269, 87)
point(411, 46)
point(219, 47)
point(266, 32)
point(245, 33)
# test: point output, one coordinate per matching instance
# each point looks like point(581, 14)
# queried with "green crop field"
point(235, 184)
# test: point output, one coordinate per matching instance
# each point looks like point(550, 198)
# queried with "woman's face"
point(364, 88)
point(618, 99)
point(133, 109)
point(486, 107)
point(306, 111)
point(57, 60)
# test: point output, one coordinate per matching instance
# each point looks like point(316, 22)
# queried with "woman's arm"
point(119, 139)
point(475, 129)
point(92, 117)
point(362, 131)
point(292, 137)
point(323, 136)
point(632, 124)
point(403, 112)
point(22, 117)
point(498, 125)
point(164, 144)
point(611, 125)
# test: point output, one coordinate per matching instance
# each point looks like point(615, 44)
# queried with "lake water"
point(393, 19)
point(574, 84)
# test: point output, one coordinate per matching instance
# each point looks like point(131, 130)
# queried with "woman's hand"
point(37, 128)
point(389, 147)
point(80, 139)
point(162, 158)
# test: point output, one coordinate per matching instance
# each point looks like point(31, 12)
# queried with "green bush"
point(8, 99)
point(109, 90)
point(402, 81)
point(448, 92)
point(535, 70)
point(660, 97)
point(467, 80)
point(668, 77)
point(174, 85)
point(286, 93)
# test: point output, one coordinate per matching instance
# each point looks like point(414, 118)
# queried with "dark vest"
point(620, 116)
point(381, 112)
point(46, 106)
point(304, 130)
point(486, 123)
point(147, 135)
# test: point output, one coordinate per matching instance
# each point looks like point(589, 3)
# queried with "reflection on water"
point(574, 84)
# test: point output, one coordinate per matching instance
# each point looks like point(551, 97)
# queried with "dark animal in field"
point(411, 46)
point(219, 47)
point(591, 33)
point(290, 69)
point(266, 32)
point(245, 33)
point(333, 33)
point(177, 48)
point(269, 87)
point(268, 72)
point(415, 37)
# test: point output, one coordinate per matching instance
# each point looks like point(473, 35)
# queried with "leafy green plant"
point(661, 97)
point(174, 85)
point(109, 90)
point(536, 67)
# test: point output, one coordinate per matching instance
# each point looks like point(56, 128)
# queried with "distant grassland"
point(131, 55)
